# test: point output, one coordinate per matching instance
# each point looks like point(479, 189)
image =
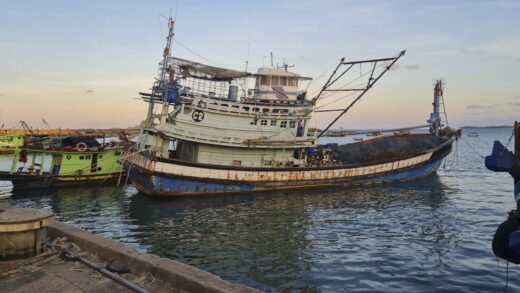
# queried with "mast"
point(159, 86)
point(435, 116)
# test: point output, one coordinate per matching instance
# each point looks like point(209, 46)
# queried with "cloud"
point(478, 107)
point(89, 91)
point(515, 104)
point(515, 97)
point(413, 66)
point(463, 50)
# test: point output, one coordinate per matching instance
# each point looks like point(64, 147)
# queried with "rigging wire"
point(219, 44)
point(193, 52)
point(472, 149)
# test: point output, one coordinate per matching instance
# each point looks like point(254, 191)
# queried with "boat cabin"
point(276, 84)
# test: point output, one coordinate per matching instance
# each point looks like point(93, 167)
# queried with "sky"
point(82, 63)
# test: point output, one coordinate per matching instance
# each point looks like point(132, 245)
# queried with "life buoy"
point(81, 147)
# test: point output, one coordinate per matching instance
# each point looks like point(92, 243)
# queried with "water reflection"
point(399, 237)
point(278, 240)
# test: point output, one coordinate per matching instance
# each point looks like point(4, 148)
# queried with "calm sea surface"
point(429, 235)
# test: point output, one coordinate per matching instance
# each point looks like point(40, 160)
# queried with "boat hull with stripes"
point(169, 177)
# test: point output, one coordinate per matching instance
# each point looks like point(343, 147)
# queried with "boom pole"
point(371, 82)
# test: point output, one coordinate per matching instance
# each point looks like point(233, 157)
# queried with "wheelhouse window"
point(264, 80)
point(293, 81)
point(292, 124)
point(254, 122)
point(283, 124)
point(273, 122)
point(283, 80)
point(263, 122)
point(275, 80)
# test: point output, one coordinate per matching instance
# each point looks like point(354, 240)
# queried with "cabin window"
point(263, 122)
point(273, 122)
point(283, 80)
point(264, 80)
point(245, 109)
point(81, 157)
point(254, 122)
point(292, 124)
point(293, 81)
point(276, 110)
point(256, 109)
point(99, 168)
point(88, 157)
point(224, 105)
point(100, 156)
point(283, 124)
point(275, 80)
point(265, 110)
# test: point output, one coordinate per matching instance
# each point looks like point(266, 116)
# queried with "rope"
point(508, 142)
point(471, 148)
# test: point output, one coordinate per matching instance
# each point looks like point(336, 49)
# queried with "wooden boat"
point(10, 142)
point(239, 139)
point(74, 161)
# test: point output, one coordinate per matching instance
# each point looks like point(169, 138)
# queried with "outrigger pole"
point(371, 81)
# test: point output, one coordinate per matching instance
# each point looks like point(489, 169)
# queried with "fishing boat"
point(375, 133)
point(9, 143)
point(473, 134)
point(213, 134)
point(68, 162)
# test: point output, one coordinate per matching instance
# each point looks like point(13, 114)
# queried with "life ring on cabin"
point(68, 157)
point(81, 147)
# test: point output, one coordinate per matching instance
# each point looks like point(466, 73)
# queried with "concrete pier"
point(167, 275)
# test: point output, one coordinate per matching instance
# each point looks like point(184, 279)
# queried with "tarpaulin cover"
point(384, 148)
point(74, 140)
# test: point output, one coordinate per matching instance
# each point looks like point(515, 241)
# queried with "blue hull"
point(162, 184)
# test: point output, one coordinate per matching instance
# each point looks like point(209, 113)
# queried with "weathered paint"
point(149, 176)
point(298, 174)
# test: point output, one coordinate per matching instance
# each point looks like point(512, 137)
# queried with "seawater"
point(430, 235)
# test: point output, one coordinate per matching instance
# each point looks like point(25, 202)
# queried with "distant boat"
point(404, 131)
point(375, 133)
point(358, 138)
point(473, 134)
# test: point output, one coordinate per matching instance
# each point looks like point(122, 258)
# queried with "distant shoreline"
point(496, 126)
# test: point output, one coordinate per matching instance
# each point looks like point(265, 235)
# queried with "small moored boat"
point(72, 161)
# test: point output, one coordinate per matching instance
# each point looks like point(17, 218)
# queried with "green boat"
point(70, 162)
point(10, 142)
